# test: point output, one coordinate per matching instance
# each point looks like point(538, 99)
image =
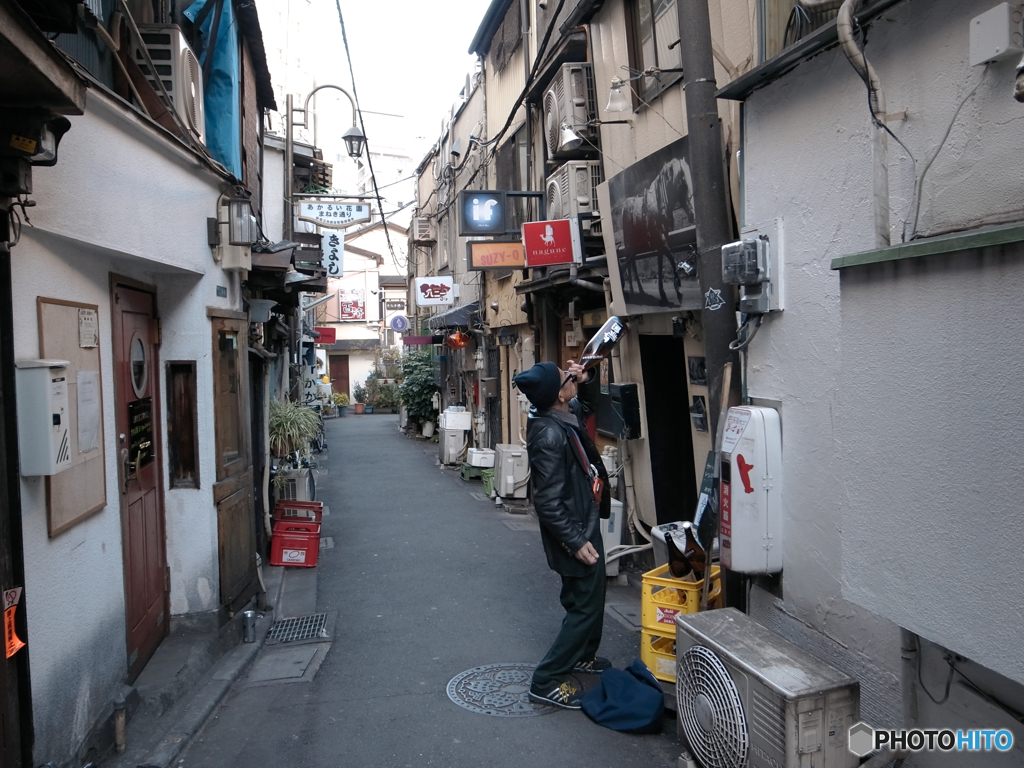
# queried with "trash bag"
point(628, 700)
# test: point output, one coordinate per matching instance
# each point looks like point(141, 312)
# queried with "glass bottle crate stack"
point(662, 599)
point(296, 533)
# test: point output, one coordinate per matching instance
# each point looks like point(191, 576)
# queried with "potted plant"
point(359, 393)
point(416, 392)
point(291, 426)
point(340, 400)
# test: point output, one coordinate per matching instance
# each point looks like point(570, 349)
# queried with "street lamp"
point(353, 138)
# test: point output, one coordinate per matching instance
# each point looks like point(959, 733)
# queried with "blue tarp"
point(222, 92)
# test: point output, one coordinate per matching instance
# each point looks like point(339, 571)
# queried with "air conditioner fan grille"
point(710, 709)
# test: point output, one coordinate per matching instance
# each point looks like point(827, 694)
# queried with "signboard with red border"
point(495, 254)
point(551, 242)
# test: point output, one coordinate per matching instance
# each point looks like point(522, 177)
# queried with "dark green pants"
point(583, 600)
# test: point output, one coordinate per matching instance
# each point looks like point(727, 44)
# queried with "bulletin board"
point(70, 331)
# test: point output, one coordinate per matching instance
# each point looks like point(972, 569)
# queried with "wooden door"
point(339, 373)
point(136, 401)
point(233, 491)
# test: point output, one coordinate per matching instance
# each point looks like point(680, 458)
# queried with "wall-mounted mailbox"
point(44, 436)
point(626, 403)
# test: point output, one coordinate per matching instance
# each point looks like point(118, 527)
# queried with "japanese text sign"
point(492, 254)
point(432, 291)
point(334, 214)
point(332, 243)
point(551, 242)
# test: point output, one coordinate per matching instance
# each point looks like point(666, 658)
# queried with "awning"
point(456, 317)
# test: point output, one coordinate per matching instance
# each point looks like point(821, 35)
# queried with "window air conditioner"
point(747, 698)
point(570, 100)
point(572, 190)
point(423, 230)
point(179, 71)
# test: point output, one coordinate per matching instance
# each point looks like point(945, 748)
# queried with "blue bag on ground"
point(627, 700)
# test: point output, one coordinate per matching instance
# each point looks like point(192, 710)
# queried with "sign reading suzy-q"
point(551, 242)
point(492, 254)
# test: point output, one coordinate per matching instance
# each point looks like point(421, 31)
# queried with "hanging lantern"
point(457, 340)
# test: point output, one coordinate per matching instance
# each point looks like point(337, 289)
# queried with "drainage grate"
point(302, 628)
point(502, 690)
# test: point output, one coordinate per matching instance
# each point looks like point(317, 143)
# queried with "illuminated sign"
point(334, 214)
point(493, 254)
point(481, 212)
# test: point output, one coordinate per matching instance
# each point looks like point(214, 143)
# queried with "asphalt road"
point(424, 581)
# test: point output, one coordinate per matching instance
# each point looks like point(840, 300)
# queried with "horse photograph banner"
point(655, 233)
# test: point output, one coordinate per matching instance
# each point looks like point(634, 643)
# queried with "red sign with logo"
point(549, 242)
point(327, 335)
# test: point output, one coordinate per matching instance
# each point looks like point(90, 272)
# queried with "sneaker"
point(595, 666)
point(564, 695)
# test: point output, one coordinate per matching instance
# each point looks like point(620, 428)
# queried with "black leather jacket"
point(562, 495)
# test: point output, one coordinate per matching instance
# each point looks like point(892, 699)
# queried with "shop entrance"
point(136, 402)
point(668, 423)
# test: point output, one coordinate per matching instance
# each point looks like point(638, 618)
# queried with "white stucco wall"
point(121, 200)
point(807, 159)
point(929, 422)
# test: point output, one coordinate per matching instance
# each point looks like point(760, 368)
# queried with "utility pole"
point(707, 169)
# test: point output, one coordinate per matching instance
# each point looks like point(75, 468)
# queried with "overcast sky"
point(410, 58)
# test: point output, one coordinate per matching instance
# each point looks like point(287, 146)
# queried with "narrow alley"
point(425, 580)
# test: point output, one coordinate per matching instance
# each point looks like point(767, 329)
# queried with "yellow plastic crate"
point(658, 652)
point(664, 597)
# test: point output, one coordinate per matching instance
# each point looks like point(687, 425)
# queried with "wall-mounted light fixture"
point(232, 233)
point(619, 101)
point(507, 336)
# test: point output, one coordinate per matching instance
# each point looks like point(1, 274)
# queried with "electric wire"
point(920, 180)
point(949, 679)
point(749, 332)
point(362, 125)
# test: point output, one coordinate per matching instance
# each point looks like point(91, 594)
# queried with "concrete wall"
point(121, 200)
point(850, 362)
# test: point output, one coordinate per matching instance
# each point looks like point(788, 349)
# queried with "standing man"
point(564, 464)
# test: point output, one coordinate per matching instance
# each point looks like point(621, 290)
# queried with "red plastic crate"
point(299, 510)
point(295, 542)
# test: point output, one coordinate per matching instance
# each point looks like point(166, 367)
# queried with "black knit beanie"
point(540, 384)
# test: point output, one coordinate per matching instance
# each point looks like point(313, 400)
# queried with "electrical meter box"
point(44, 436)
point(750, 522)
point(745, 262)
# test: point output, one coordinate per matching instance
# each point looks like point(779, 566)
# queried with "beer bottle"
point(600, 345)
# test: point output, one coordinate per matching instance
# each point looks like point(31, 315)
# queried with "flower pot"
point(358, 407)
point(369, 409)
point(428, 429)
point(342, 410)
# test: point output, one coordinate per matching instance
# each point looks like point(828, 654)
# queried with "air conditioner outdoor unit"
point(572, 190)
point(179, 71)
point(297, 486)
point(747, 698)
point(423, 230)
point(570, 100)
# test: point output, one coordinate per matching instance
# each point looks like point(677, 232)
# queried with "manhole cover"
point(302, 628)
point(326, 542)
point(480, 496)
point(502, 690)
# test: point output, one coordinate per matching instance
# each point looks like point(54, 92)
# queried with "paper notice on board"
point(88, 410)
point(88, 328)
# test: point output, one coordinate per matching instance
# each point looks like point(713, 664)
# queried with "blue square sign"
point(481, 212)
